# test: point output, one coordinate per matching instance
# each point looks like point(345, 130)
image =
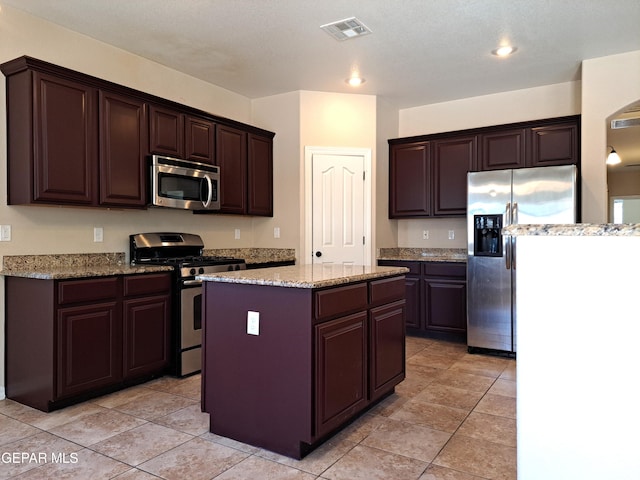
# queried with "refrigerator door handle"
point(507, 214)
point(513, 253)
point(507, 252)
point(514, 213)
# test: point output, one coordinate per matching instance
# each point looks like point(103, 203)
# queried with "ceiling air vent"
point(625, 123)
point(346, 29)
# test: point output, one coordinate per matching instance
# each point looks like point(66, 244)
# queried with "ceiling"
point(419, 52)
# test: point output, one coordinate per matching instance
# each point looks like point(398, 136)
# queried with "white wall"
point(608, 85)
point(281, 114)
point(508, 107)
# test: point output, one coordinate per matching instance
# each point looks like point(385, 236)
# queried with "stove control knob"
point(230, 268)
point(192, 271)
point(201, 270)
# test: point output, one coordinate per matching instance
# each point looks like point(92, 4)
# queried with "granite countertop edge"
point(411, 254)
point(294, 277)
point(575, 230)
point(83, 272)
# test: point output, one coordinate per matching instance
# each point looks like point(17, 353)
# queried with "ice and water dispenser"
point(487, 232)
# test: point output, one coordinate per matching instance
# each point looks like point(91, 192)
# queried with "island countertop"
point(305, 276)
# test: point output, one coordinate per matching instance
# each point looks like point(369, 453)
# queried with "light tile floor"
point(453, 418)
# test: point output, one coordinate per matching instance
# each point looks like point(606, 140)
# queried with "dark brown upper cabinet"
point(123, 137)
point(428, 173)
point(231, 157)
point(429, 179)
point(52, 140)
point(166, 131)
point(452, 159)
point(409, 180)
point(555, 145)
point(260, 175)
point(503, 149)
point(176, 134)
point(199, 139)
point(74, 139)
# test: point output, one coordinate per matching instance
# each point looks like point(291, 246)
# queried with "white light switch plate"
point(5, 233)
point(98, 234)
point(253, 323)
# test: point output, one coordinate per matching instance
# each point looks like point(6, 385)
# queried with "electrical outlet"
point(236, 234)
point(253, 323)
point(5, 233)
point(452, 234)
point(98, 234)
point(425, 234)
point(276, 232)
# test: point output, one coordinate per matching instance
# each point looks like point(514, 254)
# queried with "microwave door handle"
point(209, 191)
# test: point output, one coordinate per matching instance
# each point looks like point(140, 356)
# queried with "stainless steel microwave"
point(187, 185)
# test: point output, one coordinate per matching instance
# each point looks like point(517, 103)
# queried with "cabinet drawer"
point(386, 290)
point(146, 284)
point(77, 291)
point(458, 270)
point(340, 300)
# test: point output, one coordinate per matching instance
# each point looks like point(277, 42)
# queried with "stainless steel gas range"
point(183, 251)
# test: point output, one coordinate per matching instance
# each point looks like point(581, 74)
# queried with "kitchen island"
point(292, 354)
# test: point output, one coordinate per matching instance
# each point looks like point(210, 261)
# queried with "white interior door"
point(338, 209)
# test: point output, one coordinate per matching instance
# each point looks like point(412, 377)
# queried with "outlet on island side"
point(452, 234)
point(253, 323)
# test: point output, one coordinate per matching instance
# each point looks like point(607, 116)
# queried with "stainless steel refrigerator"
point(544, 195)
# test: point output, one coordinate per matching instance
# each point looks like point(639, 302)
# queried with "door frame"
point(309, 152)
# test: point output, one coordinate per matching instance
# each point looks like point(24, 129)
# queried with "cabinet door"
point(199, 139)
point(89, 348)
point(341, 370)
point(147, 331)
point(123, 137)
point(503, 149)
point(66, 156)
point(387, 348)
point(445, 305)
point(554, 145)
point(166, 131)
point(231, 157)
point(260, 175)
point(452, 159)
point(409, 177)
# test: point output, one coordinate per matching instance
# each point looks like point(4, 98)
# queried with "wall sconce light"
point(613, 158)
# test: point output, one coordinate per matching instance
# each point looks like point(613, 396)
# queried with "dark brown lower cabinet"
point(322, 356)
point(341, 370)
point(69, 340)
point(89, 348)
point(436, 295)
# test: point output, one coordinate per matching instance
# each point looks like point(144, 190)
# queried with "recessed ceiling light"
point(504, 51)
point(355, 81)
point(346, 29)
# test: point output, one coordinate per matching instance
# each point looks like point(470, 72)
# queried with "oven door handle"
point(192, 282)
point(209, 191)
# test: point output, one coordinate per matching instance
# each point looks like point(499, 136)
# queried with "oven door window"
point(182, 187)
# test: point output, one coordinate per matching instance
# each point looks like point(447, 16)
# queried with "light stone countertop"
point(66, 266)
point(255, 255)
point(575, 230)
point(424, 254)
point(305, 276)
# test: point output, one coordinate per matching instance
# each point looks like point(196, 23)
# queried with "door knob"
point(318, 254)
